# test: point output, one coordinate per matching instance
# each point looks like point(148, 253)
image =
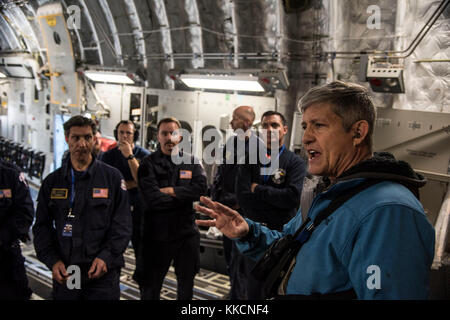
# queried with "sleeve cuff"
point(259, 191)
point(50, 262)
point(105, 255)
point(251, 232)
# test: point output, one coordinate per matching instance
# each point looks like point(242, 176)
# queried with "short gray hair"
point(350, 101)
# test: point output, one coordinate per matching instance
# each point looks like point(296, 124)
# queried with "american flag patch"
point(185, 174)
point(5, 193)
point(100, 193)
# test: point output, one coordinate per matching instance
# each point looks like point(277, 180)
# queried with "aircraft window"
point(56, 38)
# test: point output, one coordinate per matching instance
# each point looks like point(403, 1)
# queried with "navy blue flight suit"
point(275, 200)
point(101, 227)
point(16, 217)
point(170, 232)
point(223, 191)
point(115, 158)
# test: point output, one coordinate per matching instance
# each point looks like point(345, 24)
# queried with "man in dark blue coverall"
point(170, 233)
point(270, 196)
point(223, 190)
point(83, 219)
point(126, 157)
point(16, 216)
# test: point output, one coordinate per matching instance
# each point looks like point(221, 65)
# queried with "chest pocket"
point(5, 207)
point(98, 216)
point(59, 209)
point(163, 176)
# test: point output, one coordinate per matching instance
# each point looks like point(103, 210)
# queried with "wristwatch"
point(130, 157)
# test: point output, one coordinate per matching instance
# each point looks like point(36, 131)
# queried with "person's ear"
point(248, 124)
point(360, 130)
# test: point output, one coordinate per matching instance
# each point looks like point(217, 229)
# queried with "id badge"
point(67, 231)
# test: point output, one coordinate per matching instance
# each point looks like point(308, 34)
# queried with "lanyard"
point(266, 177)
point(72, 195)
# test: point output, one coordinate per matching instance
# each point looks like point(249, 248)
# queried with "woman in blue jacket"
point(378, 244)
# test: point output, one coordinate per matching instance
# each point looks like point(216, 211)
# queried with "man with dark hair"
point(16, 216)
point(96, 149)
point(168, 120)
point(83, 219)
point(170, 233)
point(375, 241)
point(126, 157)
point(271, 198)
point(275, 113)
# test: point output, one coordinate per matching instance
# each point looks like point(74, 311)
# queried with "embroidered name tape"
point(59, 193)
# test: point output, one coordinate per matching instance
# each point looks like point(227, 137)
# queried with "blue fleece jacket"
point(379, 243)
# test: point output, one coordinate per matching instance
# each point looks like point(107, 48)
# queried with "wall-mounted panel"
point(61, 62)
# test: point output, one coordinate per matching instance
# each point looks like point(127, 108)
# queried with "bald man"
point(243, 118)
point(223, 190)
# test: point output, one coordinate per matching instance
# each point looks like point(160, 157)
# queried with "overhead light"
point(109, 76)
point(218, 82)
point(15, 71)
point(250, 80)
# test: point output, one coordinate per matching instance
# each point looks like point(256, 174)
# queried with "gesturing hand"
point(227, 220)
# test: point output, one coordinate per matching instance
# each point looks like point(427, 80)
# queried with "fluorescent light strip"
point(113, 77)
point(235, 83)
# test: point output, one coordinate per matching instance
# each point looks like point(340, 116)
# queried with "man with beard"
point(170, 233)
point(83, 219)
